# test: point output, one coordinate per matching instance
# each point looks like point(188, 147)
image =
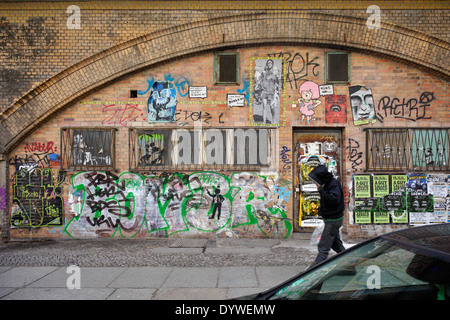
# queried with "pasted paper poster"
point(380, 185)
point(361, 186)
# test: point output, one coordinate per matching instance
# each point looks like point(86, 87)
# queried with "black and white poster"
point(267, 79)
point(362, 104)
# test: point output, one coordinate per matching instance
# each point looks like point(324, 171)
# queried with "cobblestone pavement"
point(158, 252)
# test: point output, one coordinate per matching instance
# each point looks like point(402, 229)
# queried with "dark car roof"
point(434, 239)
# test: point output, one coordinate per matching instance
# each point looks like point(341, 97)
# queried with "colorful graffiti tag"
point(102, 204)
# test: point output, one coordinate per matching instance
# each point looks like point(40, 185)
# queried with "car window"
point(377, 270)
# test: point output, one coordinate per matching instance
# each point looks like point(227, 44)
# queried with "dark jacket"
point(331, 194)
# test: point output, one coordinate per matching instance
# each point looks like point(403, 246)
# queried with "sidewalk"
point(180, 269)
point(140, 283)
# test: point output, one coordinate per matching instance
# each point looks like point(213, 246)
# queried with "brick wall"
point(107, 107)
point(37, 43)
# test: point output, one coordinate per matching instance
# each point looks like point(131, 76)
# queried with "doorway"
point(311, 148)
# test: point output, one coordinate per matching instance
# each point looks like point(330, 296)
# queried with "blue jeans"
point(331, 239)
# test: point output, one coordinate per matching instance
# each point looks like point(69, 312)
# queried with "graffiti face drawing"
point(362, 105)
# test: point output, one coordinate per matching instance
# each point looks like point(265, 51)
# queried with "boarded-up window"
point(226, 68)
point(337, 67)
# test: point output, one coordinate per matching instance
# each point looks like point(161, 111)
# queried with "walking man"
point(331, 210)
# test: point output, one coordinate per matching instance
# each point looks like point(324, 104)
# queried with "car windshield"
point(376, 270)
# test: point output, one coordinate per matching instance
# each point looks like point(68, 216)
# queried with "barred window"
point(408, 149)
point(87, 149)
point(192, 149)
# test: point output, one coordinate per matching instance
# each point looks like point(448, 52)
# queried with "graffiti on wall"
point(122, 114)
point(363, 107)
point(355, 156)
point(35, 160)
point(102, 204)
point(48, 146)
point(298, 66)
point(37, 198)
point(409, 109)
point(285, 155)
point(162, 102)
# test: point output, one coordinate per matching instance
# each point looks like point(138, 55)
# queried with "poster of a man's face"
point(363, 108)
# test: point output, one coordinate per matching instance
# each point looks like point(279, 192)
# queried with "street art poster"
point(363, 217)
point(361, 101)
point(381, 217)
point(361, 186)
point(415, 198)
point(162, 103)
point(375, 204)
point(266, 78)
point(438, 186)
point(309, 196)
point(336, 108)
point(309, 209)
point(417, 183)
point(398, 181)
point(309, 100)
point(380, 185)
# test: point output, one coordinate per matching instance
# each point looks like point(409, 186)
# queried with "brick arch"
point(291, 27)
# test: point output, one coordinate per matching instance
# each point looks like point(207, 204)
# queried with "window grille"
point(408, 149)
point(193, 149)
point(87, 149)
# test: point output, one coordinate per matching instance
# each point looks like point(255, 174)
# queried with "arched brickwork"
point(300, 28)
